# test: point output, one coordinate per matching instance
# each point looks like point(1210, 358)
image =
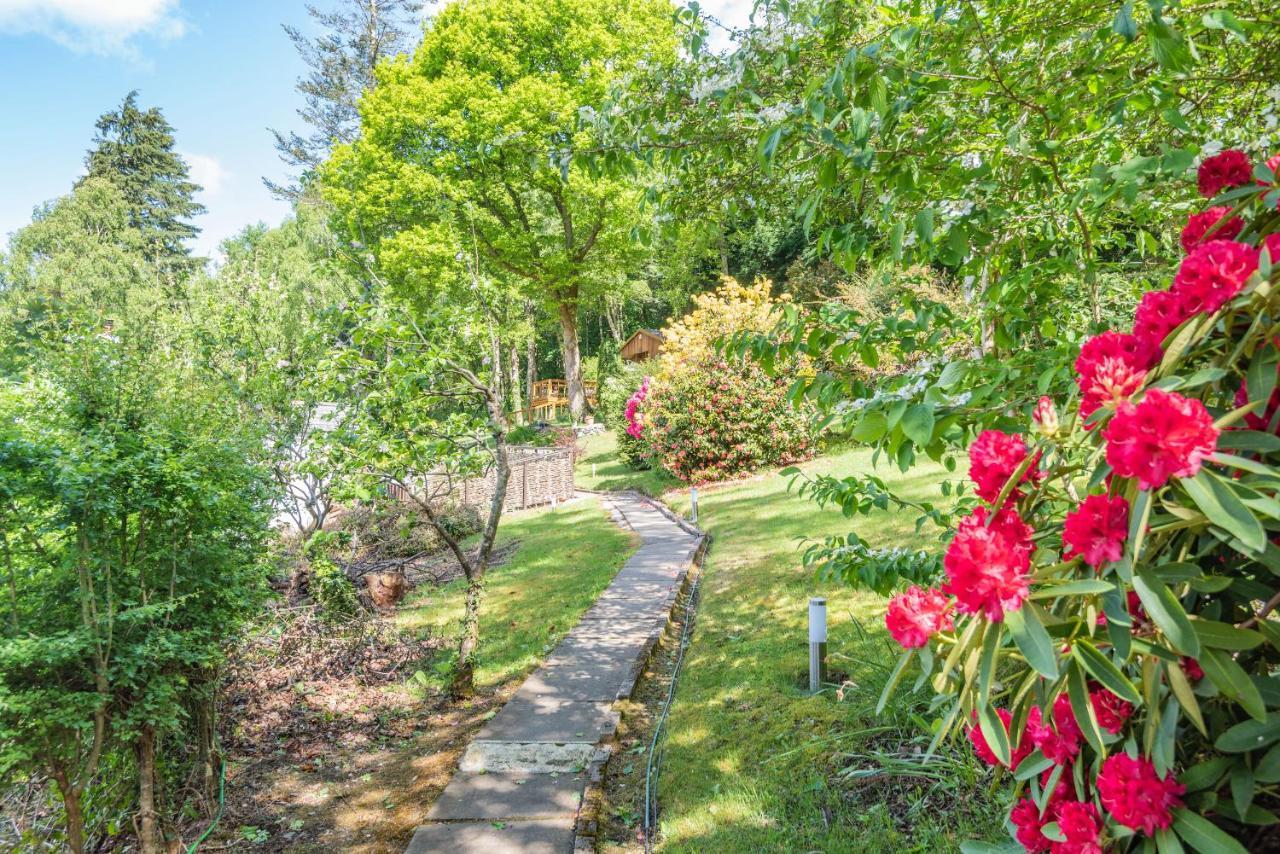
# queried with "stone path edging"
point(530, 780)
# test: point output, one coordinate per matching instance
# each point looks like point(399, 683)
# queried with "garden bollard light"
point(817, 643)
point(693, 504)
point(593, 470)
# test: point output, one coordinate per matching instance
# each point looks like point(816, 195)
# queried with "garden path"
point(520, 784)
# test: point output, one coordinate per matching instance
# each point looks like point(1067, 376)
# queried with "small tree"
point(418, 421)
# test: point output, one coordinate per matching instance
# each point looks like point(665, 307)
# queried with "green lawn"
point(752, 762)
point(598, 468)
point(564, 559)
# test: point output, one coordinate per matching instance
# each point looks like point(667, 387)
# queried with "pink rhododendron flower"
point(993, 458)
point(635, 418)
point(1223, 171)
point(1045, 417)
point(1272, 244)
point(1029, 826)
point(1135, 796)
point(1158, 314)
point(1110, 710)
point(1113, 384)
point(988, 565)
point(1165, 435)
point(983, 750)
point(1080, 824)
point(1198, 225)
point(1097, 530)
point(1060, 742)
point(916, 615)
point(1111, 368)
point(1212, 274)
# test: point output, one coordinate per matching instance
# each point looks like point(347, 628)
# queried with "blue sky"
point(222, 71)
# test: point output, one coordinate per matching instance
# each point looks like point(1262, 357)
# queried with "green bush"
point(716, 419)
point(615, 391)
point(332, 590)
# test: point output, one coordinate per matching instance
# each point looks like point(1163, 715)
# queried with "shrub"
point(1105, 632)
point(614, 393)
point(705, 417)
point(721, 419)
point(332, 590)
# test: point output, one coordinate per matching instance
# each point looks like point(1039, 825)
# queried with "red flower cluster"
point(1199, 225)
point(1060, 742)
point(1223, 171)
point(1212, 274)
point(1110, 710)
point(916, 615)
point(1097, 530)
point(983, 750)
point(1078, 823)
point(1111, 368)
point(993, 458)
point(988, 564)
point(1135, 796)
point(1165, 435)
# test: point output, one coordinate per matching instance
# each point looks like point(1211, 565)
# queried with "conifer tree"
point(134, 150)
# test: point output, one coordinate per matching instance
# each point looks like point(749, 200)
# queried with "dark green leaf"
point(1032, 639)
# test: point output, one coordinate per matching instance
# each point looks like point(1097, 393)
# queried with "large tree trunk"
point(572, 359)
point(149, 830)
point(513, 365)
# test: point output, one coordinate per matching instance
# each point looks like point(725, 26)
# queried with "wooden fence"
point(538, 476)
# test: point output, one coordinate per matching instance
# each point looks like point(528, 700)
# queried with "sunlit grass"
point(599, 468)
point(754, 763)
point(564, 559)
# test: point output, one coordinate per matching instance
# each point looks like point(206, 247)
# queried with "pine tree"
point(133, 149)
point(342, 61)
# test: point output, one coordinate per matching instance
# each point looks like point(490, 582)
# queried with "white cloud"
point(93, 26)
point(207, 171)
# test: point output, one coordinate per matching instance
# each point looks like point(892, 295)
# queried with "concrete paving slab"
point(601, 682)
point(510, 795)
point(520, 781)
point(552, 720)
point(547, 836)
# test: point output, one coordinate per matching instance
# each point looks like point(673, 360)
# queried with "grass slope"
point(598, 467)
point(752, 762)
point(565, 559)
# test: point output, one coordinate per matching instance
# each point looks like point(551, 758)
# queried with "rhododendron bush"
point(706, 416)
point(719, 419)
point(1104, 635)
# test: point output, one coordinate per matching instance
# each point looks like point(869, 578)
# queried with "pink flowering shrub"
point(718, 419)
point(1105, 634)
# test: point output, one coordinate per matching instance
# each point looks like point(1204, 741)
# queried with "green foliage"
point(134, 508)
point(332, 590)
point(134, 150)
point(1194, 580)
point(716, 419)
point(634, 452)
point(1017, 145)
point(465, 155)
point(615, 390)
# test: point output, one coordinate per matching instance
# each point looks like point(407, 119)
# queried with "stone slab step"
point(551, 720)
point(546, 836)
point(511, 795)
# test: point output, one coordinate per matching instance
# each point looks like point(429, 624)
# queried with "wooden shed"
point(645, 344)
